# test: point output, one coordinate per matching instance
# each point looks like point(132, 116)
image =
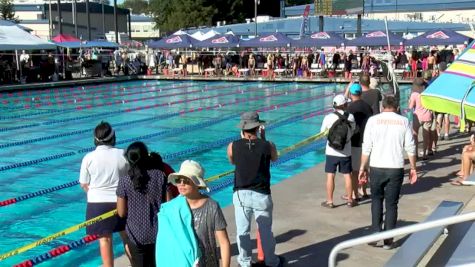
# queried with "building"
point(36, 17)
point(143, 28)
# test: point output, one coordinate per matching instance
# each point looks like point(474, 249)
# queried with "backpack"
point(338, 133)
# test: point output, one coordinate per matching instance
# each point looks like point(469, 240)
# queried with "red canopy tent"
point(60, 38)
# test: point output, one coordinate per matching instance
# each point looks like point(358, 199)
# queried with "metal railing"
point(396, 232)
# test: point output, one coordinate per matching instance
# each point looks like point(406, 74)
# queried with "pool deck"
point(90, 81)
point(306, 232)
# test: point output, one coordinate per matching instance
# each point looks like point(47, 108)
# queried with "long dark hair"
point(138, 158)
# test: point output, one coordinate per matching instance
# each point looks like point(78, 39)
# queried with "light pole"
point(256, 2)
point(103, 20)
point(50, 22)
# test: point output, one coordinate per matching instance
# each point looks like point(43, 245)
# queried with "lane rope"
point(114, 212)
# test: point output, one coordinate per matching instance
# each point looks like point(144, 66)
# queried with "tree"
point(171, 15)
point(7, 11)
point(137, 6)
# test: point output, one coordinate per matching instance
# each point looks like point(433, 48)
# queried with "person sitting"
point(235, 70)
point(466, 166)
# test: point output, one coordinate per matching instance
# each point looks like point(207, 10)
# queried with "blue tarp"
point(439, 37)
point(377, 38)
point(174, 41)
point(320, 39)
point(270, 40)
point(220, 41)
point(88, 44)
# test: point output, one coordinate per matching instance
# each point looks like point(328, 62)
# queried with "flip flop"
point(456, 183)
point(326, 204)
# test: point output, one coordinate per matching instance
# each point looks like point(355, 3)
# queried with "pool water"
point(46, 133)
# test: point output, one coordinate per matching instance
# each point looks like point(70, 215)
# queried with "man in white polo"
point(386, 137)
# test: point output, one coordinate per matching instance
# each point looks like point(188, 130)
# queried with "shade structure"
point(320, 39)
point(438, 37)
point(14, 38)
point(89, 44)
point(60, 38)
point(173, 42)
point(209, 34)
point(180, 32)
point(377, 38)
point(220, 41)
point(198, 35)
point(270, 40)
point(452, 91)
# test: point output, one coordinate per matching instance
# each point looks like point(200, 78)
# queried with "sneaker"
point(446, 137)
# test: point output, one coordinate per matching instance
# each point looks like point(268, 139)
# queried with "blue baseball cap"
point(355, 89)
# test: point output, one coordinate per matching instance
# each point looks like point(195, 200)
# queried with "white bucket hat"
point(191, 170)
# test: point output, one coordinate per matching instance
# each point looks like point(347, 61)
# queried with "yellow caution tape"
point(114, 212)
point(58, 234)
point(280, 153)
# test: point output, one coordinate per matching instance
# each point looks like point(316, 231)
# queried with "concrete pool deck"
point(306, 232)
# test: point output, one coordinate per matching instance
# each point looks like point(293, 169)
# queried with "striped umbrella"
point(452, 91)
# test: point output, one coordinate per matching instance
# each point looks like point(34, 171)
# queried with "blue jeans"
point(248, 203)
point(385, 186)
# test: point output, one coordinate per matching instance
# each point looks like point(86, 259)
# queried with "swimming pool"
point(46, 133)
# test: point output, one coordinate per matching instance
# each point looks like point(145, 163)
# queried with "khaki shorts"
point(355, 158)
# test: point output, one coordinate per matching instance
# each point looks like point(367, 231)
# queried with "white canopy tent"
point(180, 32)
point(198, 35)
point(13, 37)
point(209, 34)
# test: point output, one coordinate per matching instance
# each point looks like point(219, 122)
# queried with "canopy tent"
point(270, 40)
point(198, 35)
point(173, 42)
point(88, 44)
point(209, 34)
point(220, 41)
point(439, 37)
point(14, 38)
point(320, 39)
point(452, 91)
point(180, 32)
point(377, 38)
point(60, 38)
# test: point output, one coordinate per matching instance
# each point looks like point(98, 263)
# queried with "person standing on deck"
point(252, 195)
point(386, 137)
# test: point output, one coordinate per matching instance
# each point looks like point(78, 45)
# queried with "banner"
point(304, 27)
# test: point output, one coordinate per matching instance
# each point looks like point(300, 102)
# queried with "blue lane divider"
point(103, 114)
point(65, 110)
point(177, 154)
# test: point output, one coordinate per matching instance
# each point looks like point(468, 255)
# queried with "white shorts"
point(355, 158)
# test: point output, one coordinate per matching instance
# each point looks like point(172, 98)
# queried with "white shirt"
point(101, 169)
point(386, 136)
point(327, 124)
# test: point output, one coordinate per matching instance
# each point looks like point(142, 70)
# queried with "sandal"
point(326, 204)
point(457, 183)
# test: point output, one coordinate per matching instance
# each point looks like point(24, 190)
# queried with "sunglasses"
point(182, 180)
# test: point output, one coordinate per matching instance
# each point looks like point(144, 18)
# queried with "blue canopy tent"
point(270, 40)
point(377, 38)
point(320, 39)
point(173, 42)
point(220, 41)
point(452, 92)
point(439, 37)
point(88, 44)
